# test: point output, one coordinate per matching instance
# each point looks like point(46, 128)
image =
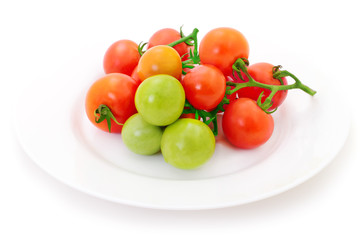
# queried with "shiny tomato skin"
point(160, 59)
point(117, 91)
point(246, 125)
point(121, 57)
point(166, 36)
point(204, 86)
point(263, 72)
point(222, 46)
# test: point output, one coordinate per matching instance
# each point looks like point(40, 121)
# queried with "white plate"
point(307, 136)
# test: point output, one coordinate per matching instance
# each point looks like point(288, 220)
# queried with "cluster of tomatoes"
point(167, 97)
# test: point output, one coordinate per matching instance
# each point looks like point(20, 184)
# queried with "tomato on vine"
point(240, 71)
point(263, 72)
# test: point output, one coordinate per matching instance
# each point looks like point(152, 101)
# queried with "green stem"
point(187, 39)
point(298, 83)
point(189, 43)
point(141, 48)
point(240, 65)
point(192, 36)
point(102, 113)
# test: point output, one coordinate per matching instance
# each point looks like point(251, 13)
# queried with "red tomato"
point(135, 75)
point(160, 59)
point(263, 73)
point(246, 125)
point(166, 36)
point(221, 47)
point(116, 91)
point(121, 57)
point(204, 86)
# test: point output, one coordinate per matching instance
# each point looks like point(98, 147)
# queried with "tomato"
point(141, 137)
point(166, 36)
point(160, 99)
point(121, 57)
point(160, 59)
point(246, 125)
point(116, 91)
point(263, 73)
point(187, 143)
point(204, 86)
point(222, 46)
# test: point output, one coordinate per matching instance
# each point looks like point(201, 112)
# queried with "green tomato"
point(160, 99)
point(141, 137)
point(187, 143)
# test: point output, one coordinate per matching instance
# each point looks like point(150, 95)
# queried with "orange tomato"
point(160, 59)
point(117, 92)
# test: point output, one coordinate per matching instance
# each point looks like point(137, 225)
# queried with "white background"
point(37, 37)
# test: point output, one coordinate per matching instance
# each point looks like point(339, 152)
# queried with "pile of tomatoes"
point(166, 98)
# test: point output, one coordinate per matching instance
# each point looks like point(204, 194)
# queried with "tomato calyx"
point(103, 112)
point(240, 65)
point(191, 62)
point(207, 117)
point(141, 48)
point(266, 104)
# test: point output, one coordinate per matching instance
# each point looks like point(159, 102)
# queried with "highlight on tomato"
point(110, 101)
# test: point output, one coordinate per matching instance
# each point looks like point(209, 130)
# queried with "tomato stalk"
point(240, 65)
point(141, 48)
point(188, 40)
point(103, 112)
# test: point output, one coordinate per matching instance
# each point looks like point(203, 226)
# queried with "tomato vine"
point(241, 64)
